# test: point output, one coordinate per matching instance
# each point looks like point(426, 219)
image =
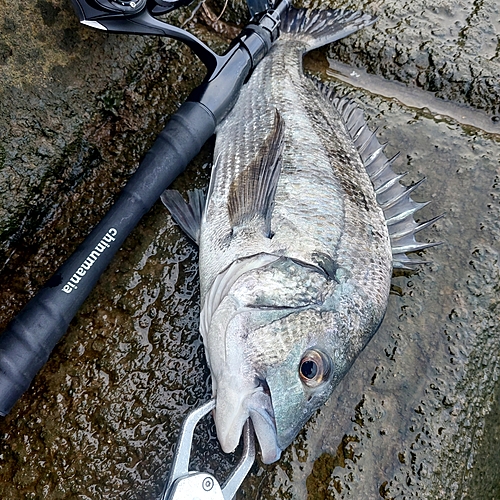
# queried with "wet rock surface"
point(417, 415)
point(448, 47)
point(75, 101)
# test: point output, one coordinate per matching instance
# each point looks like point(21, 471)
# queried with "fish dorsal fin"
point(251, 194)
point(317, 27)
point(392, 196)
point(186, 215)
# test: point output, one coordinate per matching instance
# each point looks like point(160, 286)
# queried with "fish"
point(302, 225)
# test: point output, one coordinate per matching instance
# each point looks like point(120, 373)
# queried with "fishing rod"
point(30, 337)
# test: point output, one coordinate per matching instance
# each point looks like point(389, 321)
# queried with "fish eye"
point(314, 367)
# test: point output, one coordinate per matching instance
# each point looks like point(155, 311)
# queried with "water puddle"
point(414, 98)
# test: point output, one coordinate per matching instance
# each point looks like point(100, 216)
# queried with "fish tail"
point(315, 28)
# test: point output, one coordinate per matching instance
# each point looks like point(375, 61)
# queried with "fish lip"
point(261, 412)
point(257, 406)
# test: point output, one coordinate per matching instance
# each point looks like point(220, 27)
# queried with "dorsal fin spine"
point(369, 160)
point(392, 196)
point(398, 217)
point(385, 166)
point(362, 148)
point(399, 197)
point(387, 185)
point(414, 227)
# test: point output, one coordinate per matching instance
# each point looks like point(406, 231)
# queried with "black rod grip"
point(30, 337)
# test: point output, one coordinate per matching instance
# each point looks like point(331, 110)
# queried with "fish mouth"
point(264, 423)
point(257, 406)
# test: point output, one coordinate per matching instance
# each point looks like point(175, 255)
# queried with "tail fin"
point(315, 28)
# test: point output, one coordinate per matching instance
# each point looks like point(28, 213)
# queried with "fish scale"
point(299, 211)
point(324, 215)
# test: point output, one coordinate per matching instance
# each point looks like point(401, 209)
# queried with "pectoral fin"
point(251, 194)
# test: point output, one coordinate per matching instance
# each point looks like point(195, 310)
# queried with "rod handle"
point(31, 336)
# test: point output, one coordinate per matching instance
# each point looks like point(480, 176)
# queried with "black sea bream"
point(303, 222)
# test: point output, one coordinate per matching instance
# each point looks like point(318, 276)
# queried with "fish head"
point(297, 376)
point(275, 381)
point(299, 385)
point(278, 344)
